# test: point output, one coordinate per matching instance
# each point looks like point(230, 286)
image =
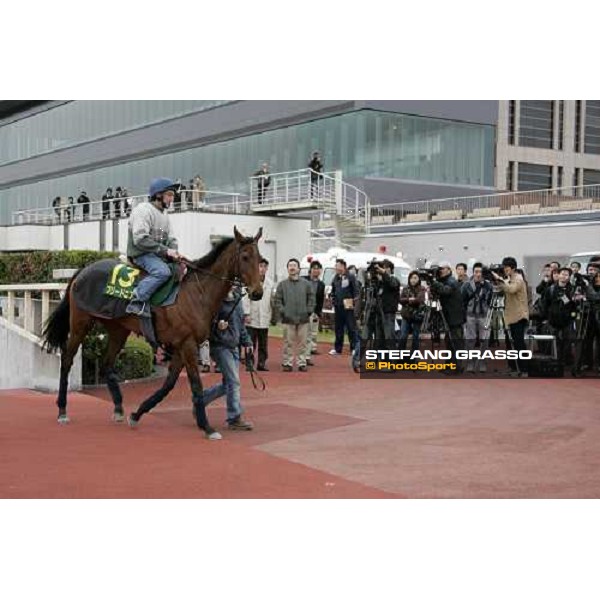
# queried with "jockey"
point(150, 243)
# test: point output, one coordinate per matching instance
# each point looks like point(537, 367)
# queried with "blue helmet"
point(161, 184)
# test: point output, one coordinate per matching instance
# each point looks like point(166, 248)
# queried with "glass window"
point(536, 123)
point(592, 127)
point(362, 144)
point(84, 120)
point(534, 177)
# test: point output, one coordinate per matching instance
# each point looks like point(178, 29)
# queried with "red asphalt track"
point(321, 434)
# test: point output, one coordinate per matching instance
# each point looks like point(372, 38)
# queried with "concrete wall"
point(283, 238)
point(36, 369)
point(531, 245)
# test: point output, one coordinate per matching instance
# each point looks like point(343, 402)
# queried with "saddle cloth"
point(104, 288)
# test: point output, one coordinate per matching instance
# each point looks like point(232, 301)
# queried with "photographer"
point(546, 281)
point(516, 313)
point(381, 320)
point(412, 299)
point(559, 302)
point(447, 289)
point(592, 334)
point(477, 296)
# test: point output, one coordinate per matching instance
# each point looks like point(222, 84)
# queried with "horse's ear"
point(258, 235)
point(238, 236)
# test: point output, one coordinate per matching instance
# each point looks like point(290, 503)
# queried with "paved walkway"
point(321, 434)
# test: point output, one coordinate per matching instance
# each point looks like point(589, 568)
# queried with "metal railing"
point(120, 208)
point(292, 187)
point(567, 199)
point(29, 305)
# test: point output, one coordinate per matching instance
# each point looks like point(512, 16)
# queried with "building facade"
point(546, 144)
point(395, 150)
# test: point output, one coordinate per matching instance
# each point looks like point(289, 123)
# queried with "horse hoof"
point(132, 422)
point(118, 417)
point(63, 420)
point(213, 435)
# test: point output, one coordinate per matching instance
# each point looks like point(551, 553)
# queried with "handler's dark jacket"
point(448, 289)
point(235, 335)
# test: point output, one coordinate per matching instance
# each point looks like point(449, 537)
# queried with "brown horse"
point(180, 327)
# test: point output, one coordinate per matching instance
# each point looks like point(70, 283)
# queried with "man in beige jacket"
point(516, 310)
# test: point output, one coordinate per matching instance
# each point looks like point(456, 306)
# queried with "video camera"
point(486, 272)
point(430, 274)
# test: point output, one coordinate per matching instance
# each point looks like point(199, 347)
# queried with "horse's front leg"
point(147, 405)
point(190, 360)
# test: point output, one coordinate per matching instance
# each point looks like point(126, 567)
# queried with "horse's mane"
point(208, 260)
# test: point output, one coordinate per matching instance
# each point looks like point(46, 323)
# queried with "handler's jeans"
point(228, 361)
point(158, 273)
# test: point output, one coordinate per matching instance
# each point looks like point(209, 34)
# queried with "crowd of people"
point(116, 203)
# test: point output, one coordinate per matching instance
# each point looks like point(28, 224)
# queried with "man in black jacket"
point(559, 304)
point(107, 199)
point(85, 205)
point(387, 290)
point(316, 174)
point(263, 181)
point(344, 295)
point(314, 276)
point(449, 292)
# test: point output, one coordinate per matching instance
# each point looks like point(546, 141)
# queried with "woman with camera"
point(412, 299)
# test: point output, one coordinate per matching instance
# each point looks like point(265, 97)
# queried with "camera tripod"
point(435, 322)
point(581, 328)
point(495, 318)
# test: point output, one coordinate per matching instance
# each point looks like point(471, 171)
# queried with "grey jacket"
point(149, 231)
point(294, 300)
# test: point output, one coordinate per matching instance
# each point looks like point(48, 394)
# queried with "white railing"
point(292, 187)
point(567, 199)
point(29, 305)
point(119, 208)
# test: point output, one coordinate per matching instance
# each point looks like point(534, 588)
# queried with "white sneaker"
point(333, 352)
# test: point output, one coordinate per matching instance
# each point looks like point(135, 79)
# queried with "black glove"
point(249, 359)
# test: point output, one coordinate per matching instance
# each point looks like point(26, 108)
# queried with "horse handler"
point(228, 334)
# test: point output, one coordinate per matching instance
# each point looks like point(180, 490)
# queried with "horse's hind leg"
point(158, 396)
point(117, 336)
point(79, 329)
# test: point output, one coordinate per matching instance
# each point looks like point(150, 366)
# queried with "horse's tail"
point(57, 327)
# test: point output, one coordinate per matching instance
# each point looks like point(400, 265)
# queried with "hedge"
point(37, 266)
point(135, 361)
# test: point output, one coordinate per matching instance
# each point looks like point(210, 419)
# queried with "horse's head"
point(248, 257)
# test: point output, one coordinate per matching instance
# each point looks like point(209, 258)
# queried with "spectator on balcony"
point(106, 202)
point(178, 193)
point(127, 202)
point(56, 207)
point(85, 205)
point(118, 202)
point(263, 181)
point(198, 193)
point(70, 209)
point(316, 174)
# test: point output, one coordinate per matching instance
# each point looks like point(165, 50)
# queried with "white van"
point(360, 260)
point(583, 258)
